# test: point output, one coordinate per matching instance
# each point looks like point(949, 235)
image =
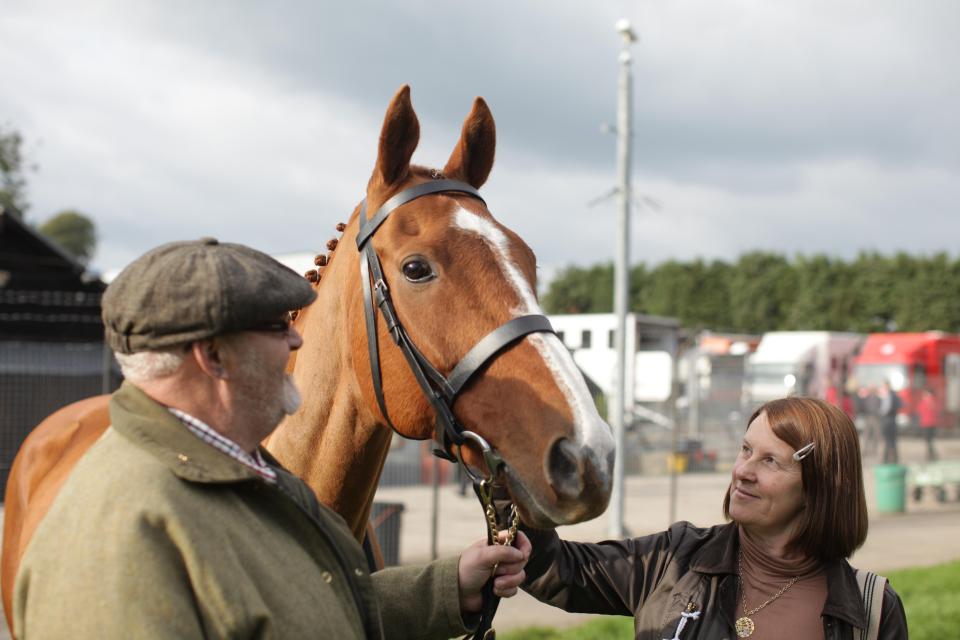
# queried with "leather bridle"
point(441, 391)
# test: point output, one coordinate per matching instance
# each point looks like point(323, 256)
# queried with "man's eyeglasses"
point(280, 325)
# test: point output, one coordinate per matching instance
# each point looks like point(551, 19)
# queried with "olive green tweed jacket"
point(158, 535)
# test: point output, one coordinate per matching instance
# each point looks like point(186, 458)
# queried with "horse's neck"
point(332, 442)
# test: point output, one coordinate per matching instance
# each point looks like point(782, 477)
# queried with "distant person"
point(831, 395)
point(837, 396)
point(851, 401)
point(889, 407)
point(778, 569)
point(848, 405)
point(927, 416)
point(870, 407)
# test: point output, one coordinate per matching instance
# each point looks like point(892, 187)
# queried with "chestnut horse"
point(454, 274)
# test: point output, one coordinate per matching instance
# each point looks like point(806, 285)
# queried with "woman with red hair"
point(777, 569)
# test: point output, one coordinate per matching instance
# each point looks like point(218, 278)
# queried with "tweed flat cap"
point(186, 291)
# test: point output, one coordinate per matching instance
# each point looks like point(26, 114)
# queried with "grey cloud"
point(854, 79)
point(741, 110)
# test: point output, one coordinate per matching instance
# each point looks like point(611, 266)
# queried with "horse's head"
point(454, 274)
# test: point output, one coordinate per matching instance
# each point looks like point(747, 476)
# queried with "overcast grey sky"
point(796, 126)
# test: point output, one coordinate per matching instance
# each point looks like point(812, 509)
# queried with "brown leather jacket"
point(684, 569)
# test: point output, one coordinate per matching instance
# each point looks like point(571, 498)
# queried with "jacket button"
point(327, 577)
point(359, 572)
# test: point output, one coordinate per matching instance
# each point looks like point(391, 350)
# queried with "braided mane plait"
point(321, 260)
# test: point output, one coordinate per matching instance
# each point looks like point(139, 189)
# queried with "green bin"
point(891, 487)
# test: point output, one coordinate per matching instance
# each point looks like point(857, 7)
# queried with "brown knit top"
point(796, 614)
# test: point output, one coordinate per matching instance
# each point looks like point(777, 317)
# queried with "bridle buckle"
point(383, 291)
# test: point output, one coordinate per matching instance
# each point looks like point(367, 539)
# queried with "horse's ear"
point(472, 158)
point(398, 139)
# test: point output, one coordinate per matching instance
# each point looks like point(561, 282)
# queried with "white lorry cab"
point(804, 363)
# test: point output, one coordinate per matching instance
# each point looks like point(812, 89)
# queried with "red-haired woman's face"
point(766, 492)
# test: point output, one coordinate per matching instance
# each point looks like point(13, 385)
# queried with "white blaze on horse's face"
point(593, 434)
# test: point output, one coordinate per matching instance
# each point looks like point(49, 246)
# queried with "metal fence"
point(37, 378)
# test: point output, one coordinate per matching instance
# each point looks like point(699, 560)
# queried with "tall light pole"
point(621, 273)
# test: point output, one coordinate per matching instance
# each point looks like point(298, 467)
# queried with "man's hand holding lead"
point(478, 562)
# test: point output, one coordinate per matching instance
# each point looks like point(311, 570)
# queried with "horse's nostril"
point(563, 469)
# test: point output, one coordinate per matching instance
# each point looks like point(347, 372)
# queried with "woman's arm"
point(613, 577)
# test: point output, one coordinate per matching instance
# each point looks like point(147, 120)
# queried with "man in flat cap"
point(176, 524)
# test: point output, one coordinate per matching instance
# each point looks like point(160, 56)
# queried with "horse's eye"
point(417, 270)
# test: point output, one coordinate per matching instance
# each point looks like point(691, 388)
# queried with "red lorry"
point(912, 362)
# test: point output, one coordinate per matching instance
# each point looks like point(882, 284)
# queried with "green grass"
point(931, 598)
point(601, 629)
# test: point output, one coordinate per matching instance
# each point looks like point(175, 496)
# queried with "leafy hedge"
point(767, 292)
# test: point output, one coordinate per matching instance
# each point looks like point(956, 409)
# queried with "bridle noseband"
point(441, 391)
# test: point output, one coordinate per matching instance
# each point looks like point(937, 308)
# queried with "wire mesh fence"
point(37, 378)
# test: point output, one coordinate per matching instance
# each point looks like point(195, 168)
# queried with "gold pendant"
point(745, 627)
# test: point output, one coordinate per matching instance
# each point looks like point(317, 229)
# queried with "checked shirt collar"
point(226, 445)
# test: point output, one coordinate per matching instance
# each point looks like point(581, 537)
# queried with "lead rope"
point(488, 609)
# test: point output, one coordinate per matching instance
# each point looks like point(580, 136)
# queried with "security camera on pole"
point(621, 273)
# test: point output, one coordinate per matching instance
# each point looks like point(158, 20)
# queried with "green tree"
point(929, 296)
point(13, 183)
point(823, 300)
point(765, 292)
point(669, 290)
point(590, 290)
point(695, 292)
point(74, 232)
point(715, 296)
point(762, 288)
point(581, 290)
point(639, 282)
point(873, 283)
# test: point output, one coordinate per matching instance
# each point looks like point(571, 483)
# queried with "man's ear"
point(208, 355)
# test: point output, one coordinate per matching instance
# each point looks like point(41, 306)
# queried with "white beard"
point(290, 398)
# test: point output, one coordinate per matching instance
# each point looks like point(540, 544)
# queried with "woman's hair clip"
point(803, 452)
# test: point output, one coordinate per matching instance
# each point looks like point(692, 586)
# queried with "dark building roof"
point(45, 294)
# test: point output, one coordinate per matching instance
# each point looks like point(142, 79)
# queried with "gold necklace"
point(745, 625)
